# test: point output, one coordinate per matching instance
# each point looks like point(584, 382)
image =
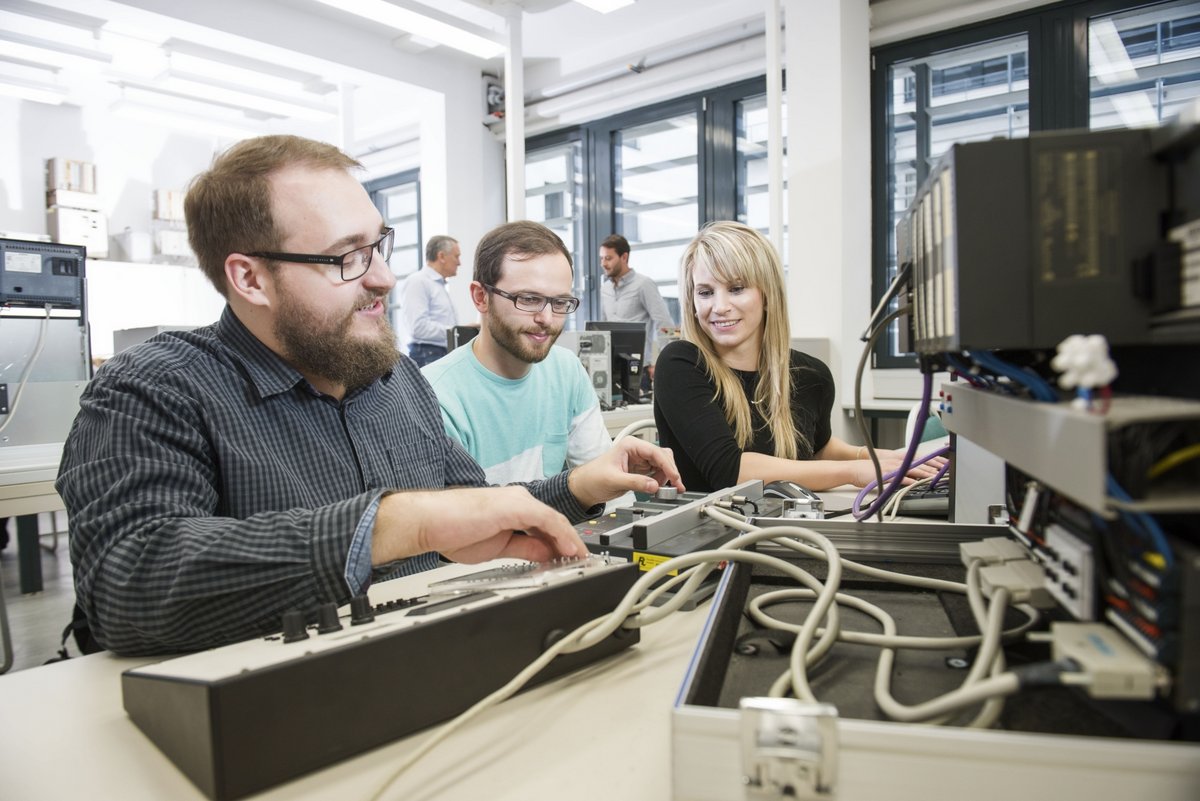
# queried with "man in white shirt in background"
point(523, 409)
point(630, 297)
point(425, 305)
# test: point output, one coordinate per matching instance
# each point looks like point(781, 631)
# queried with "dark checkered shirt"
point(211, 488)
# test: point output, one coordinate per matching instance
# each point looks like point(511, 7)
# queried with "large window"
point(656, 194)
point(653, 175)
point(1143, 65)
point(752, 177)
point(1012, 76)
point(554, 197)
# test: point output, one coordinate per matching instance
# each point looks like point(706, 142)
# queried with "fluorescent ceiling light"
point(45, 51)
point(247, 100)
point(75, 35)
point(25, 71)
point(134, 56)
point(1110, 61)
point(1135, 110)
point(238, 69)
point(138, 112)
point(187, 66)
point(604, 6)
point(122, 29)
point(39, 93)
point(189, 105)
point(424, 24)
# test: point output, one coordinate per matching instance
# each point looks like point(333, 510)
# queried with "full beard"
point(510, 339)
point(325, 347)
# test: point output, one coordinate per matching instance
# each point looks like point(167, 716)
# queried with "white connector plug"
point(1024, 580)
point(991, 551)
point(1110, 667)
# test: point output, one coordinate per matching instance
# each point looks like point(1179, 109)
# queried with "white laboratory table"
point(617, 419)
point(600, 733)
point(27, 474)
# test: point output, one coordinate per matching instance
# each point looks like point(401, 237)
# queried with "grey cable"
point(37, 351)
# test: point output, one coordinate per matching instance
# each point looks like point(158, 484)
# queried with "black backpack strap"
point(84, 640)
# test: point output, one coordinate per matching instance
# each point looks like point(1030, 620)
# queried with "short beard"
point(510, 339)
point(326, 349)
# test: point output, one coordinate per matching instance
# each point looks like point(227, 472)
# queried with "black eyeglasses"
point(353, 264)
point(529, 302)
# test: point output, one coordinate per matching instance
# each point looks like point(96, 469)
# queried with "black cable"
point(1044, 674)
point(902, 276)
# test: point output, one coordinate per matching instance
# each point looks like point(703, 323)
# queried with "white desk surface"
point(23, 464)
point(617, 419)
point(600, 733)
point(27, 474)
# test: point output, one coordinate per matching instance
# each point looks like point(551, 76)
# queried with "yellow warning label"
point(649, 561)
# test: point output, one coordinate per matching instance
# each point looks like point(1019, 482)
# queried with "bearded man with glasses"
point(287, 455)
point(523, 409)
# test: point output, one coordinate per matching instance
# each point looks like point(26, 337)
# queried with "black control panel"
point(41, 273)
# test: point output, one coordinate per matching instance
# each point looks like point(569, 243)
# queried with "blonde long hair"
point(737, 254)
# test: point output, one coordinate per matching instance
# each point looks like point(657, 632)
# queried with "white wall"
point(461, 162)
point(471, 198)
point(829, 179)
point(132, 160)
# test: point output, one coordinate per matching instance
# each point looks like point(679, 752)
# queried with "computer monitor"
point(458, 335)
point(628, 351)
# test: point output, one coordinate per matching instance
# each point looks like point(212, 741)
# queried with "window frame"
point(583, 241)
point(376, 189)
point(716, 111)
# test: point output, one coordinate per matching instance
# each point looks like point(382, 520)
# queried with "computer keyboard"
point(927, 502)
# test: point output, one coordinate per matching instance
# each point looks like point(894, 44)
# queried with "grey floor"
point(36, 621)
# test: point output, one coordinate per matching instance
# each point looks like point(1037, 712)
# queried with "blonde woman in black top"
point(732, 400)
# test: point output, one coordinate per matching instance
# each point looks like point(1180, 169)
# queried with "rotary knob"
point(360, 610)
point(294, 626)
point(327, 618)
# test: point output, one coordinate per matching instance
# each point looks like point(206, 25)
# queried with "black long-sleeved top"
point(211, 488)
point(692, 424)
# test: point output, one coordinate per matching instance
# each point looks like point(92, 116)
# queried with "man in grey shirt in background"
point(629, 297)
point(425, 306)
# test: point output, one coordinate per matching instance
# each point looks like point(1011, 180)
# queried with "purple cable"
point(905, 465)
point(944, 451)
point(937, 479)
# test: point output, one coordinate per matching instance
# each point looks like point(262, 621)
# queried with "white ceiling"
point(364, 67)
point(562, 40)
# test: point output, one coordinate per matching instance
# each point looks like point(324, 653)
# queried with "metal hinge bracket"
point(789, 749)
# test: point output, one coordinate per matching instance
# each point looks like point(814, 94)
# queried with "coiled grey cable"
point(636, 609)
